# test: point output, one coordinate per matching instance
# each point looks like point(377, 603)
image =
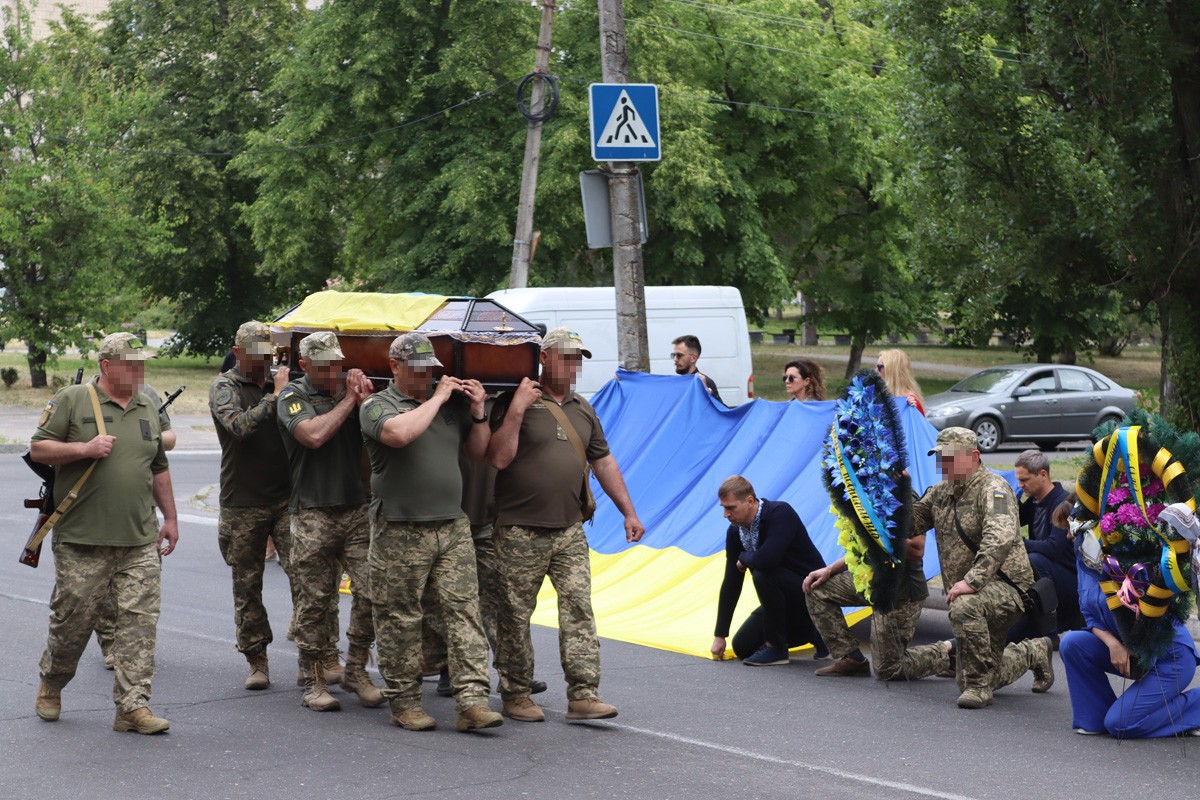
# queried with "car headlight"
point(943, 411)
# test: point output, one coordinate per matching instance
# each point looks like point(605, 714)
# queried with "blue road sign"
point(624, 121)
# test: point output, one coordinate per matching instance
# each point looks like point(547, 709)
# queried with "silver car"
point(1042, 403)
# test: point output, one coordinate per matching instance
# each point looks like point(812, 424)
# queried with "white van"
point(714, 314)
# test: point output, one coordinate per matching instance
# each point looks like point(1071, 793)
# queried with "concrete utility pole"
point(518, 276)
point(628, 275)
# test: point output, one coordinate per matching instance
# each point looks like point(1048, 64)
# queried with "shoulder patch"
point(224, 396)
point(374, 411)
point(293, 408)
point(999, 502)
point(46, 412)
point(287, 393)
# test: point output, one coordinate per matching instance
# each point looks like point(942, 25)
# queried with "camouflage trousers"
point(82, 576)
point(980, 622)
point(524, 557)
point(890, 632)
point(433, 639)
point(326, 541)
point(242, 536)
point(412, 560)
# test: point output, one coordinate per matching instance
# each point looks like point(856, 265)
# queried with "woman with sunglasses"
point(896, 370)
point(804, 380)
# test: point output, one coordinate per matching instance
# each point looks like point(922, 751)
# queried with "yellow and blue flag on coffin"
point(675, 445)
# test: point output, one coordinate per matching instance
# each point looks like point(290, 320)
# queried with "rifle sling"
point(573, 437)
point(36, 539)
point(974, 548)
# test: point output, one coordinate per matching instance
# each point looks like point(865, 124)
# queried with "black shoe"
point(444, 689)
point(537, 687)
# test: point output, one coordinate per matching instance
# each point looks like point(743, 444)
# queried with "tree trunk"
point(1180, 377)
point(857, 345)
point(1067, 356)
point(809, 335)
point(37, 365)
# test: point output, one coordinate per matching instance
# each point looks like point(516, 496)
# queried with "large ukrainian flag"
point(675, 445)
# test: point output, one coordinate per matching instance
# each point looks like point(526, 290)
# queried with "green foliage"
point(9, 376)
point(68, 245)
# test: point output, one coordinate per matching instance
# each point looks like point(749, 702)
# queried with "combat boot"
point(522, 709)
point(590, 708)
point(316, 692)
point(140, 720)
point(260, 677)
point(1042, 665)
point(975, 697)
point(478, 716)
point(333, 671)
point(413, 719)
point(355, 678)
point(48, 703)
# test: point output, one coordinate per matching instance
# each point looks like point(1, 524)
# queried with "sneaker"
point(591, 708)
point(1192, 732)
point(975, 698)
point(413, 719)
point(48, 703)
point(821, 655)
point(768, 656)
point(477, 717)
point(140, 720)
point(259, 677)
point(444, 689)
point(846, 667)
point(1083, 732)
point(1043, 669)
point(522, 709)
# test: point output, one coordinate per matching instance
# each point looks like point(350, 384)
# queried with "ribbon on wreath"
point(863, 508)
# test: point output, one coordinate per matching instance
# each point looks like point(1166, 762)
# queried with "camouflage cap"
point(254, 338)
point(122, 347)
point(955, 439)
point(321, 346)
point(565, 339)
point(414, 349)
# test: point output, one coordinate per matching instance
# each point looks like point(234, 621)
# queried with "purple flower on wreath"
point(1154, 488)
point(1108, 523)
point(1117, 496)
point(1129, 514)
point(1153, 510)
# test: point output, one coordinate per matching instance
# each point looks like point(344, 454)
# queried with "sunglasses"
point(879, 367)
point(677, 356)
point(794, 378)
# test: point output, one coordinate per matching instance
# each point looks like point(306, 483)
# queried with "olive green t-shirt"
point(116, 505)
point(254, 463)
point(420, 482)
point(330, 474)
point(543, 485)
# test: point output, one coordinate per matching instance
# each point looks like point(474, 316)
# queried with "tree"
point(206, 68)
point(67, 242)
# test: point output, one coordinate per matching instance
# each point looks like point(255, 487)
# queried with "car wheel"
point(1044, 446)
point(987, 432)
point(1115, 420)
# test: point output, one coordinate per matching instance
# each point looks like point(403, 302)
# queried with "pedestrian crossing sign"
point(624, 122)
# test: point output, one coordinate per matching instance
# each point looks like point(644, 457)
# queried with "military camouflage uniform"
point(890, 631)
point(539, 533)
point(254, 498)
point(987, 511)
point(105, 546)
point(421, 550)
point(329, 527)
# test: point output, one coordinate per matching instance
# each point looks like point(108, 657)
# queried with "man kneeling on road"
point(419, 533)
point(767, 538)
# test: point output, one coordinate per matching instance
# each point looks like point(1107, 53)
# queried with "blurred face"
point(124, 376)
point(739, 511)
point(560, 368)
point(685, 360)
point(414, 381)
point(326, 375)
point(957, 463)
point(251, 365)
point(795, 384)
point(1035, 484)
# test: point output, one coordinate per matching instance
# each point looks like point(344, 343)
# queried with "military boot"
point(316, 691)
point(333, 670)
point(140, 720)
point(975, 697)
point(590, 708)
point(413, 718)
point(355, 679)
point(1041, 662)
point(260, 677)
point(478, 716)
point(48, 703)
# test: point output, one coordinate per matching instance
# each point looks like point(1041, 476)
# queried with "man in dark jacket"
point(768, 539)
point(1051, 553)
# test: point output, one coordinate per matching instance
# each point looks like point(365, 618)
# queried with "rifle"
point(171, 399)
point(44, 502)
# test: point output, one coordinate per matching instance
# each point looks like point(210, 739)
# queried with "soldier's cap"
point(321, 346)
point(955, 439)
point(254, 339)
point(565, 339)
point(122, 347)
point(414, 349)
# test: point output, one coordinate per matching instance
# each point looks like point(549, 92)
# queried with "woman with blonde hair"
point(896, 370)
point(804, 380)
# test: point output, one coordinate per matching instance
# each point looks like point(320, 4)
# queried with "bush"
point(9, 376)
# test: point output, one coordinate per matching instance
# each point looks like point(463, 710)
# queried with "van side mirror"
point(1021, 391)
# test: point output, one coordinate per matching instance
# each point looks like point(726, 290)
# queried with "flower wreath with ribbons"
point(1134, 470)
point(862, 465)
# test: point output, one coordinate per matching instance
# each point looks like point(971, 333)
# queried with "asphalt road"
point(688, 727)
